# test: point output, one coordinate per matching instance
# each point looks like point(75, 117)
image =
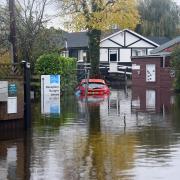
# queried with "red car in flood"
point(95, 87)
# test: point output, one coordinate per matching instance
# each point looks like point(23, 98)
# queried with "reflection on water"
point(132, 134)
point(14, 156)
point(154, 100)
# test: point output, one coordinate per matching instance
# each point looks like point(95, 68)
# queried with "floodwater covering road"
point(132, 134)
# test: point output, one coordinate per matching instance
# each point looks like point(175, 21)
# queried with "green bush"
point(56, 64)
point(176, 66)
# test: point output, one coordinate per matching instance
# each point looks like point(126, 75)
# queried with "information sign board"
point(135, 67)
point(50, 94)
point(12, 90)
point(12, 105)
point(3, 91)
point(50, 105)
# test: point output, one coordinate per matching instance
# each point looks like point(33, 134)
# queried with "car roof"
point(94, 81)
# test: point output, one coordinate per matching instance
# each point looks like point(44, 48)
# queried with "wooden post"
point(125, 77)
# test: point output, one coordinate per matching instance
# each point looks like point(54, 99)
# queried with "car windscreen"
point(94, 85)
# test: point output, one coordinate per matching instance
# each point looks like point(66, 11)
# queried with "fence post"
point(27, 98)
point(125, 74)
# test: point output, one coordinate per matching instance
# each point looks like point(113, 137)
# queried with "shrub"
point(56, 64)
point(176, 65)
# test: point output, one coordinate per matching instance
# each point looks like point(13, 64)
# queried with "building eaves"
point(166, 45)
point(159, 40)
point(165, 54)
point(133, 33)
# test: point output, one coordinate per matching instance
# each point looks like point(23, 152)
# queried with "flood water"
point(132, 134)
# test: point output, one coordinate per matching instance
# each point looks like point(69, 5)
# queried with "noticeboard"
point(12, 105)
point(12, 90)
point(50, 94)
point(3, 91)
point(135, 67)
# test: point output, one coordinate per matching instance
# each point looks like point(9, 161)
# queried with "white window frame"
point(111, 52)
point(82, 55)
point(65, 53)
point(139, 52)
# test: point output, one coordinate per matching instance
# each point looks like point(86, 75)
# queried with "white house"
point(117, 49)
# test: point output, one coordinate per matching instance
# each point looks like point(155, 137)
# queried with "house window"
point(113, 55)
point(164, 63)
point(139, 52)
point(65, 53)
point(82, 56)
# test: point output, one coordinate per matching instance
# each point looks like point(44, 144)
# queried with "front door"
point(150, 73)
point(113, 59)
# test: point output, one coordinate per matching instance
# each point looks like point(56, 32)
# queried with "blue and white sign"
point(55, 79)
point(50, 105)
point(12, 90)
point(50, 84)
point(50, 94)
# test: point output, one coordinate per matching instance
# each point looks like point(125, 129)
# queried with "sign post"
point(27, 97)
point(50, 94)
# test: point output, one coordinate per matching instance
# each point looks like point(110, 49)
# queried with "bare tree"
point(4, 30)
point(30, 21)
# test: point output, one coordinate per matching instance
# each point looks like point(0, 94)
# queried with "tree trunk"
point(94, 47)
point(13, 31)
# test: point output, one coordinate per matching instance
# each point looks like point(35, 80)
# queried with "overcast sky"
point(58, 22)
point(52, 10)
point(177, 1)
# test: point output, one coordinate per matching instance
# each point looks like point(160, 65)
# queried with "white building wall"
point(149, 51)
point(108, 43)
point(125, 55)
point(130, 39)
point(142, 44)
point(119, 38)
point(103, 55)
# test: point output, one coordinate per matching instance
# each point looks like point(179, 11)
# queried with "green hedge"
point(176, 66)
point(56, 64)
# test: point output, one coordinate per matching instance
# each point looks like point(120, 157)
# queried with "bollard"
point(125, 120)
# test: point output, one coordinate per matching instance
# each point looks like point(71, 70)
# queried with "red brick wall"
point(163, 78)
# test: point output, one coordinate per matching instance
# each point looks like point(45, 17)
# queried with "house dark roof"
point(77, 39)
point(108, 33)
point(159, 40)
point(166, 45)
point(81, 39)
